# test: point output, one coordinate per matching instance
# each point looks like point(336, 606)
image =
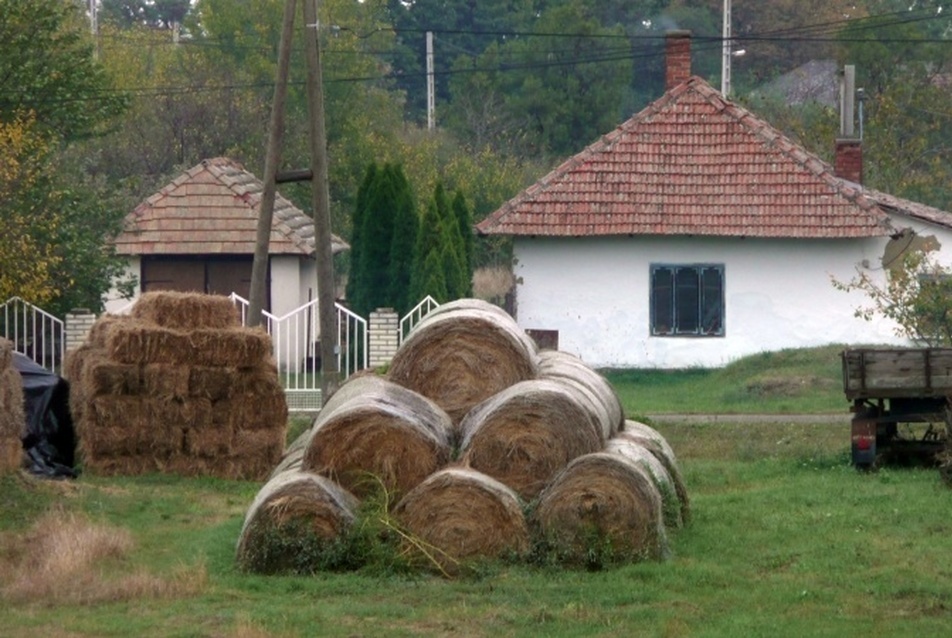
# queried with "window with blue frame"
point(687, 300)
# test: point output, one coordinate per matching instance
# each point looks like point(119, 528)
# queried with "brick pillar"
point(677, 58)
point(77, 324)
point(383, 336)
point(848, 163)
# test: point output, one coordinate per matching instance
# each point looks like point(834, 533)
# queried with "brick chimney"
point(848, 163)
point(677, 58)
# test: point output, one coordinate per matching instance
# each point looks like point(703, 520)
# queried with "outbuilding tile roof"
point(692, 163)
point(212, 208)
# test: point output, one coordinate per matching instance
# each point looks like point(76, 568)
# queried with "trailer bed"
point(889, 373)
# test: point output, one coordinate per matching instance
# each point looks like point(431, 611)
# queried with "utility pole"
point(430, 88)
point(317, 175)
point(259, 267)
point(94, 27)
point(726, 51)
point(330, 373)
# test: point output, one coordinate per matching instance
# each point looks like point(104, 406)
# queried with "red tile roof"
point(692, 163)
point(212, 208)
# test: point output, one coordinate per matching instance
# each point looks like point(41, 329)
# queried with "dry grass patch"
point(65, 558)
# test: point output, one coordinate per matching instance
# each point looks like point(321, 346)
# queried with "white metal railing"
point(33, 332)
point(416, 315)
point(297, 350)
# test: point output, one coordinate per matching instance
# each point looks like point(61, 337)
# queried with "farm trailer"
point(900, 402)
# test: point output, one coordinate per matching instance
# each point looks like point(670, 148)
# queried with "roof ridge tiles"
point(691, 118)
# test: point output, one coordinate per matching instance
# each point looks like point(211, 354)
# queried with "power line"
point(648, 49)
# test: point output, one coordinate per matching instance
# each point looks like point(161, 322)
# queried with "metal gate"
point(297, 349)
point(33, 332)
point(416, 315)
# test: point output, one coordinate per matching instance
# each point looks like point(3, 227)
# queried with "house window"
point(687, 300)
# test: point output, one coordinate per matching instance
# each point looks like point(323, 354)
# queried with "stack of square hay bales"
point(12, 417)
point(178, 386)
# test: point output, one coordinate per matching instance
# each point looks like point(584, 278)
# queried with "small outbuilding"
point(198, 234)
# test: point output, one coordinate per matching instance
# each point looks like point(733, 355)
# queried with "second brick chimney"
point(677, 58)
point(848, 162)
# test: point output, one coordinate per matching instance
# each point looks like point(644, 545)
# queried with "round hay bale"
point(468, 303)
point(568, 368)
point(652, 440)
point(186, 310)
point(293, 511)
point(464, 514)
point(642, 456)
point(374, 430)
point(602, 507)
point(527, 433)
point(459, 356)
point(293, 456)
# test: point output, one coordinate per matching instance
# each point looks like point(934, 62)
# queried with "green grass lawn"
point(786, 539)
point(807, 381)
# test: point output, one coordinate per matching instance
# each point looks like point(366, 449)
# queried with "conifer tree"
point(406, 225)
point(376, 236)
point(355, 280)
point(451, 245)
point(464, 217)
point(428, 276)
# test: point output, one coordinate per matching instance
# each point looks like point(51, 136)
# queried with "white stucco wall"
point(778, 294)
point(113, 302)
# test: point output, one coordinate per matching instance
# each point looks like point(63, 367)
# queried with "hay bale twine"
point(464, 514)
point(641, 456)
point(374, 430)
point(654, 442)
point(293, 511)
point(602, 507)
point(186, 310)
point(527, 433)
point(569, 369)
point(462, 354)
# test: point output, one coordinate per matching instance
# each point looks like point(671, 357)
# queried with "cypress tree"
point(464, 217)
point(406, 226)
point(376, 232)
point(451, 245)
point(428, 276)
point(356, 277)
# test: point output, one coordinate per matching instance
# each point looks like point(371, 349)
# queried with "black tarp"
point(50, 440)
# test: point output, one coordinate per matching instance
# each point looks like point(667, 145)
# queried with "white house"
point(695, 233)
point(198, 233)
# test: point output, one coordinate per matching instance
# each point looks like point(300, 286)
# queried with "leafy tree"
point(780, 35)
point(47, 72)
point(26, 262)
point(55, 223)
point(562, 90)
point(916, 295)
point(465, 29)
point(161, 14)
point(903, 65)
point(55, 250)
